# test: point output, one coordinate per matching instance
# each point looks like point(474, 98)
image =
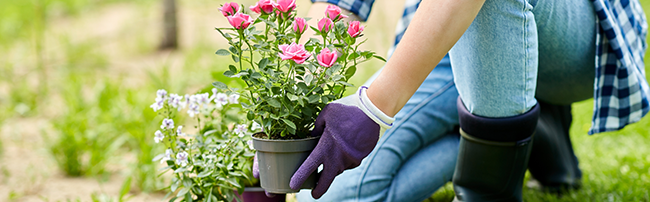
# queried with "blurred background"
point(77, 78)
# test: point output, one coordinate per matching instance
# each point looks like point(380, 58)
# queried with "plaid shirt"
point(620, 87)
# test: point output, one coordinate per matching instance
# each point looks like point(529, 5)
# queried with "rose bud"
point(334, 13)
point(229, 9)
point(240, 20)
point(325, 25)
point(355, 29)
point(326, 58)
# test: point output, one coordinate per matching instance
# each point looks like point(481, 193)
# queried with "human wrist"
point(383, 119)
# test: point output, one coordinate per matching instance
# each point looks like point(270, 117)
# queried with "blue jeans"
point(415, 157)
point(512, 54)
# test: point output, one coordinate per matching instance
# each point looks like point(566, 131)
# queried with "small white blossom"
point(167, 124)
point(179, 132)
point(162, 93)
point(193, 110)
point(203, 98)
point(168, 156)
point(158, 104)
point(186, 102)
point(234, 98)
point(181, 158)
point(214, 92)
point(241, 129)
point(221, 99)
point(256, 126)
point(158, 137)
point(175, 101)
point(250, 144)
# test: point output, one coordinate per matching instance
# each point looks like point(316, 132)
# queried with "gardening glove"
point(349, 128)
point(256, 174)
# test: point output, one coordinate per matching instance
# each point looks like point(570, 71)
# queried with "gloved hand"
point(349, 130)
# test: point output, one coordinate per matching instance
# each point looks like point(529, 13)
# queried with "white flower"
point(234, 98)
point(256, 126)
point(186, 102)
point(175, 101)
point(162, 93)
point(158, 104)
point(250, 144)
point(241, 129)
point(221, 99)
point(179, 132)
point(203, 98)
point(193, 110)
point(214, 92)
point(168, 156)
point(159, 136)
point(181, 158)
point(167, 124)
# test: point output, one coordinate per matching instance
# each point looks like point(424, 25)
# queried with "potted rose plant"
point(214, 163)
point(288, 83)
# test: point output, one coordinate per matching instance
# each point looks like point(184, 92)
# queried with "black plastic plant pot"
point(280, 159)
point(256, 194)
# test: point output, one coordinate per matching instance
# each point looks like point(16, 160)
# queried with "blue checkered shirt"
point(620, 87)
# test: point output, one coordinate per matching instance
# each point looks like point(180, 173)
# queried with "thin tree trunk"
point(170, 30)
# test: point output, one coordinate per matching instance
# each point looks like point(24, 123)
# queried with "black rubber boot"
point(493, 155)
point(552, 161)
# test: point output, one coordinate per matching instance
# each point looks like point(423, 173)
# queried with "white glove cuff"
point(384, 121)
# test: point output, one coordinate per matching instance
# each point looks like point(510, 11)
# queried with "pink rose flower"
point(229, 9)
point(355, 29)
point(299, 25)
point(334, 13)
point(327, 58)
point(285, 5)
point(295, 52)
point(325, 25)
point(263, 6)
point(240, 20)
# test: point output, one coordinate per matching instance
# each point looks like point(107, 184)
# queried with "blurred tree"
point(170, 30)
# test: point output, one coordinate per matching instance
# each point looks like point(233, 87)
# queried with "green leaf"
point(219, 85)
point(235, 58)
point(223, 52)
point(183, 191)
point(379, 57)
point(256, 75)
point(232, 68)
point(292, 97)
point(204, 173)
point(234, 50)
point(263, 63)
point(350, 72)
point(313, 98)
point(175, 185)
point(289, 123)
point(274, 103)
point(228, 73)
point(234, 182)
point(324, 99)
point(309, 78)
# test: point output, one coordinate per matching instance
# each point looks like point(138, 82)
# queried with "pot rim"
point(294, 140)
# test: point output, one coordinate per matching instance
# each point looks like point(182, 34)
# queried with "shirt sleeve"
point(360, 8)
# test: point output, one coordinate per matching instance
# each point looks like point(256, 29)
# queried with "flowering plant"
point(288, 83)
point(216, 161)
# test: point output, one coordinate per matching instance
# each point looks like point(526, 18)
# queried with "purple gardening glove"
point(349, 130)
point(256, 174)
